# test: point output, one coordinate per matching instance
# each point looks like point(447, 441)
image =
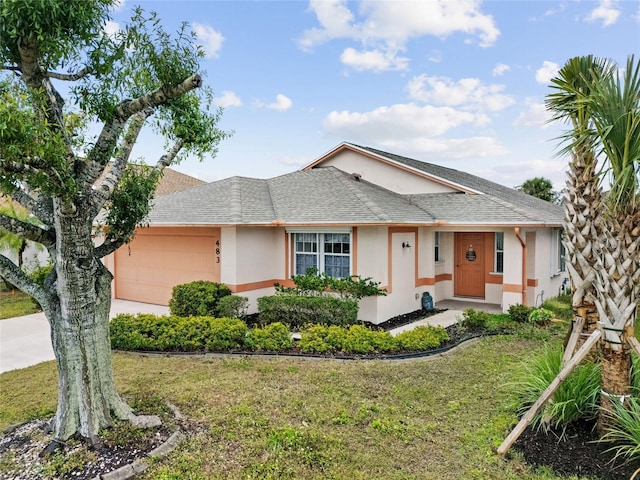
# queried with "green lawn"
point(290, 418)
point(14, 303)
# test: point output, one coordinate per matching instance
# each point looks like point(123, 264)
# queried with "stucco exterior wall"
point(385, 175)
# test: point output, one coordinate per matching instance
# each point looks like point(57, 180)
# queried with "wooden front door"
point(469, 258)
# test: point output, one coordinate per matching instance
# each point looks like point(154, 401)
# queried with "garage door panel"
point(149, 268)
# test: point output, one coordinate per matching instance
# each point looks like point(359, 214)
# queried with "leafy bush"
point(474, 318)
point(360, 339)
point(233, 306)
point(198, 298)
point(273, 337)
point(422, 337)
point(314, 284)
point(317, 339)
point(299, 310)
point(576, 398)
point(170, 333)
point(540, 316)
point(520, 313)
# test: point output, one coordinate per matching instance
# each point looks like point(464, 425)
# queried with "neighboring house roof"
point(329, 196)
point(173, 181)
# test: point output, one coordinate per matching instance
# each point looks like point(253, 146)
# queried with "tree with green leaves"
point(73, 102)
point(541, 188)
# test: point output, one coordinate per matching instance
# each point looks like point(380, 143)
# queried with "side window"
point(498, 264)
point(436, 242)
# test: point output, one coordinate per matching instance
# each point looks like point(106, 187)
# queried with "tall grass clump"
point(624, 429)
point(576, 397)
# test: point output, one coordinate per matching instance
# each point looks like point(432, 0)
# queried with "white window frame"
point(557, 252)
point(320, 236)
point(437, 251)
point(496, 251)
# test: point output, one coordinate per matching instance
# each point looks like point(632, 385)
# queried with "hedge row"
point(207, 334)
point(297, 310)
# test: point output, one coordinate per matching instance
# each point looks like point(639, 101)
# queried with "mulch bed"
point(577, 452)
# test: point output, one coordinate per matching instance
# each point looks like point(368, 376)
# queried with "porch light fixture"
point(406, 245)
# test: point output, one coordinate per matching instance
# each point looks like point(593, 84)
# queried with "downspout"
point(524, 264)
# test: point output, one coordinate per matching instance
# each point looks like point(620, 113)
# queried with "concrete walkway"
point(449, 317)
point(26, 341)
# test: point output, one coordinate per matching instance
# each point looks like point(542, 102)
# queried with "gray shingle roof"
point(527, 204)
point(327, 195)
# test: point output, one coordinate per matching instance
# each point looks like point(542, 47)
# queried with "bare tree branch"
point(168, 157)
point(28, 231)
point(69, 77)
point(39, 207)
point(109, 246)
point(11, 68)
point(103, 191)
point(158, 97)
point(14, 275)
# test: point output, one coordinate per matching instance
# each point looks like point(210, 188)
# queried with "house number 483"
point(217, 251)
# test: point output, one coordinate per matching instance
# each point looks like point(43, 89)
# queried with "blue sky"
point(456, 83)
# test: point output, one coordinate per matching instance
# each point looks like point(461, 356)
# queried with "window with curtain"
point(327, 252)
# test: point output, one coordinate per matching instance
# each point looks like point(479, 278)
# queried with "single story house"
point(410, 225)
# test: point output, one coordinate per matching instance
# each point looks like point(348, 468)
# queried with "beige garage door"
point(159, 258)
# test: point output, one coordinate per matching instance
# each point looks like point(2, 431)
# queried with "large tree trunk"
point(87, 397)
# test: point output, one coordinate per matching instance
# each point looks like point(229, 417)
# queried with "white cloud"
point(228, 99)
point(449, 148)
point(515, 173)
point(400, 121)
point(111, 28)
point(281, 104)
point(545, 73)
point(294, 161)
point(536, 115)
point(388, 26)
point(607, 12)
point(210, 38)
point(500, 69)
point(468, 93)
point(375, 60)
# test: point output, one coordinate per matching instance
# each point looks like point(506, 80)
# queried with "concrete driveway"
point(26, 341)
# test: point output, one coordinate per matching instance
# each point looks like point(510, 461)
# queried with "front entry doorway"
point(469, 261)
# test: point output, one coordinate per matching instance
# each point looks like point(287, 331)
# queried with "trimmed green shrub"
point(170, 333)
point(315, 338)
point(519, 313)
point(233, 306)
point(297, 310)
point(361, 339)
point(198, 298)
point(273, 337)
point(474, 318)
point(577, 397)
point(560, 306)
point(422, 337)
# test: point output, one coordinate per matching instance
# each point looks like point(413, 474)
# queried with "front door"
point(469, 258)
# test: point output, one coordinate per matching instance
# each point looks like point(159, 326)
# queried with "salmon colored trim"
point(398, 165)
point(179, 231)
point(494, 279)
point(245, 287)
point(523, 244)
point(426, 281)
point(532, 282)
point(512, 287)
point(390, 232)
point(443, 277)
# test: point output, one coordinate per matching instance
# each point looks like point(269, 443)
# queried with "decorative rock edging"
point(139, 466)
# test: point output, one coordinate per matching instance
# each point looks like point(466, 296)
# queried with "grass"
point(288, 418)
point(16, 303)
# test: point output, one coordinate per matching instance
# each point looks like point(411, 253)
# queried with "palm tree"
point(583, 195)
point(615, 106)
